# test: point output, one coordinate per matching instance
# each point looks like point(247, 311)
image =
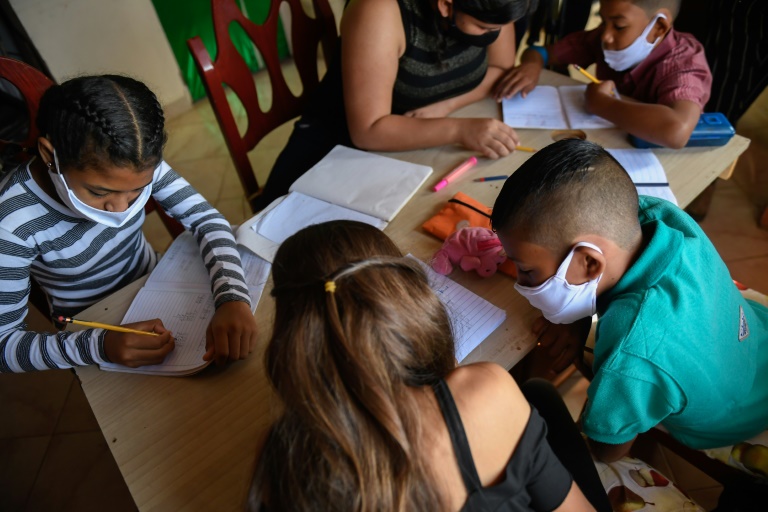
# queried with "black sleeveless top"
point(534, 479)
point(427, 72)
point(433, 67)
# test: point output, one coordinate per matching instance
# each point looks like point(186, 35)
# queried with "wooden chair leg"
point(699, 207)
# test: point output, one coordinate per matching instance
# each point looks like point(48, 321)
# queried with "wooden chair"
point(229, 68)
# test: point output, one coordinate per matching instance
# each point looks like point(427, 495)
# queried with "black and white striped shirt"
point(78, 262)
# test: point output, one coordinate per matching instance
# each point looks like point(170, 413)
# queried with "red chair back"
point(229, 68)
point(31, 83)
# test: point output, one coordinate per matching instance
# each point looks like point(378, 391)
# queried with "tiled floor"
point(54, 456)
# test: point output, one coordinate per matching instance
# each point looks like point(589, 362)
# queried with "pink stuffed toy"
point(477, 249)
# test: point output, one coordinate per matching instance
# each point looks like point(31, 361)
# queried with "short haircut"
point(565, 190)
point(651, 6)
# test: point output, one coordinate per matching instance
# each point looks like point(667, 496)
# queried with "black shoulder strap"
point(458, 437)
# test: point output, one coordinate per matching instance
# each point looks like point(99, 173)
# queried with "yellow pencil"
point(586, 73)
point(109, 327)
point(594, 79)
point(525, 148)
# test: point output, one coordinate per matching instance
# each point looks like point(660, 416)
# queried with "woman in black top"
point(404, 66)
point(375, 415)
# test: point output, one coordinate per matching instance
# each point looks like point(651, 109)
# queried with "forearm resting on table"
point(403, 133)
point(660, 124)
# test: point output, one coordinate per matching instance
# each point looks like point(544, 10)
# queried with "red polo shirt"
point(676, 68)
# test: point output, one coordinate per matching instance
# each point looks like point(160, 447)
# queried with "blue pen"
point(491, 178)
point(651, 184)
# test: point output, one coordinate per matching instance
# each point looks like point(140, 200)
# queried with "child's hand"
point(522, 79)
point(491, 137)
point(563, 341)
point(134, 350)
point(231, 333)
point(597, 93)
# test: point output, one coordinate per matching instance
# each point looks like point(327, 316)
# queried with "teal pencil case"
point(713, 129)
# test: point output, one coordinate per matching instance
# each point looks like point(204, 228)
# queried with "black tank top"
point(434, 67)
point(534, 479)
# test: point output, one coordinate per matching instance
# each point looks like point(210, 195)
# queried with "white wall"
point(84, 37)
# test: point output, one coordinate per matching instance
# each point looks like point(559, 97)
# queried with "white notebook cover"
point(365, 182)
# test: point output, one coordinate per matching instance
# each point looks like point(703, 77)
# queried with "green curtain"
point(183, 19)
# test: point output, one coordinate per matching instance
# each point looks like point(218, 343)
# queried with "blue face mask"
point(110, 219)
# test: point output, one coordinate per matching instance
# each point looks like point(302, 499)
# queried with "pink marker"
point(451, 176)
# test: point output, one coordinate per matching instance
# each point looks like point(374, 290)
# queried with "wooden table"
point(191, 443)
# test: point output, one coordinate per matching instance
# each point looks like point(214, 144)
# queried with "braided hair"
point(109, 119)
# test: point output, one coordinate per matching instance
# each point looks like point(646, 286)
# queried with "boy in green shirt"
point(676, 342)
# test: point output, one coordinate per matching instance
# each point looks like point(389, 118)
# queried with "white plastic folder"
point(178, 292)
point(347, 184)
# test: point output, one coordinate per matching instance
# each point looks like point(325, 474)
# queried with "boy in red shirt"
point(662, 74)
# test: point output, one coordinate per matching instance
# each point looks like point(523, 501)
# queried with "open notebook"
point(646, 172)
point(472, 317)
point(551, 107)
point(178, 291)
point(347, 184)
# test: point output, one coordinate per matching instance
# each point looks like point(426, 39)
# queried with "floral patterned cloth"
point(633, 485)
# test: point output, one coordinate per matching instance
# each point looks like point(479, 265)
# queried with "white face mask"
point(111, 219)
point(559, 301)
point(635, 53)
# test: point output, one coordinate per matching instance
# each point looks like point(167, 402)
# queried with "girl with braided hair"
point(71, 220)
point(375, 415)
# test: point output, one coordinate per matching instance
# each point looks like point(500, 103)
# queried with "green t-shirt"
point(677, 344)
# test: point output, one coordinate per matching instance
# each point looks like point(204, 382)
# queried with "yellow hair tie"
point(330, 286)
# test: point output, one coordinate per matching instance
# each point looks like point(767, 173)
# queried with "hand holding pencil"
point(137, 344)
point(609, 84)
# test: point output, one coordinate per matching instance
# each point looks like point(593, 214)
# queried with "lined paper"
point(181, 268)
point(644, 167)
point(541, 108)
point(178, 292)
point(574, 104)
point(186, 314)
point(472, 317)
point(551, 107)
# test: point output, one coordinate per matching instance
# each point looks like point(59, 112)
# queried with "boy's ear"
point(662, 26)
point(45, 148)
point(589, 264)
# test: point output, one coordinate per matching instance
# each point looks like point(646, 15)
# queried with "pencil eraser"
point(440, 186)
point(60, 318)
